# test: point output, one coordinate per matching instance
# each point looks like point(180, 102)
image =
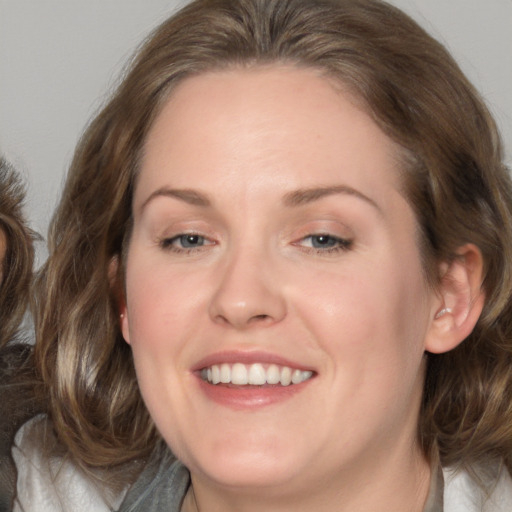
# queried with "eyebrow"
point(309, 195)
point(292, 199)
point(187, 195)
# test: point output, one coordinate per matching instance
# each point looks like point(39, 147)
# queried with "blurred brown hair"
point(453, 176)
point(19, 255)
point(18, 382)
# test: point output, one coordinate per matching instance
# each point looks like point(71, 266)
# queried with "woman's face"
point(271, 242)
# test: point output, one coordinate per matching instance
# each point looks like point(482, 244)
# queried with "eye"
point(189, 241)
point(185, 242)
point(324, 242)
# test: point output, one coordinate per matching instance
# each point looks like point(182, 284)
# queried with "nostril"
point(259, 317)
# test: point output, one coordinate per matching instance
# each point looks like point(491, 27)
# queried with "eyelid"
point(335, 238)
point(340, 243)
point(169, 242)
point(327, 224)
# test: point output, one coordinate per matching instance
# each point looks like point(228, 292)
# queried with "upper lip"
point(248, 357)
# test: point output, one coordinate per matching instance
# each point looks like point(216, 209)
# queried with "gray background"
point(60, 58)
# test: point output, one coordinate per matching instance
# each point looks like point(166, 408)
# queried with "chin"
point(245, 468)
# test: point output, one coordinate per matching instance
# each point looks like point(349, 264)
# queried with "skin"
point(359, 314)
point(3, 250)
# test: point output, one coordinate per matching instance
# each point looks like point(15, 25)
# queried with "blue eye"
point(190, 241)
point(185, 242)
point(323, 242)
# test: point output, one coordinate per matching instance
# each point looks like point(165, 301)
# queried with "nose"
point(248, 292)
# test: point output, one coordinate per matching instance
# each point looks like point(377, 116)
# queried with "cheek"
point(376, 314)
point(161, 305)
point(369, 324)
point(159, 322)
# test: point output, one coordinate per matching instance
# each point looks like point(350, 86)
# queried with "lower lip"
point(249, 397)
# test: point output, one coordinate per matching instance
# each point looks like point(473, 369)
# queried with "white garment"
point(462, 494)
point(52, 485)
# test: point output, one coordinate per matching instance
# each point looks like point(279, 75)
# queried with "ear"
point(117, 288)
point(459, 302)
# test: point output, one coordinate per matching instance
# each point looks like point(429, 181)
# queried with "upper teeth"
point(254, 374)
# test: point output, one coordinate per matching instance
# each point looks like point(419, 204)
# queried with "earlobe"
point(118, 292)
point(460, 301)
point(123, 323)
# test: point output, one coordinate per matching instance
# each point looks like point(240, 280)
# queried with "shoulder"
point(484, 489)
point(52, 480)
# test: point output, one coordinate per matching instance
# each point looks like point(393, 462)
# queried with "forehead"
point(292, 122)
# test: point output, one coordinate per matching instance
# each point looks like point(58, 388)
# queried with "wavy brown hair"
point(453, 177)
point(16, 267)
point(18, 383)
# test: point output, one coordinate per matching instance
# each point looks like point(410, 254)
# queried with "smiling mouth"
point(256, 374)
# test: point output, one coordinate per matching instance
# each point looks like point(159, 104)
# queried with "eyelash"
point(169, 243)
point(338, 244)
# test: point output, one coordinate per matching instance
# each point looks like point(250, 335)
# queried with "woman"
point(283, 252)
point(16, 258)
